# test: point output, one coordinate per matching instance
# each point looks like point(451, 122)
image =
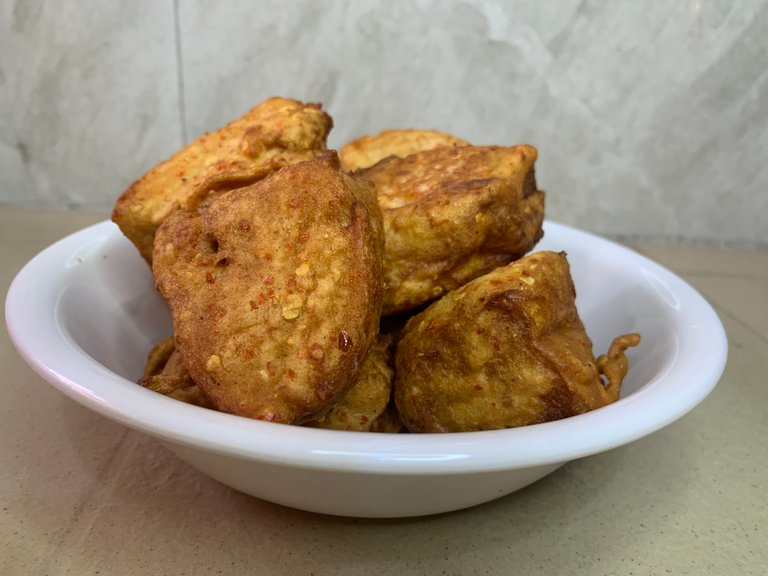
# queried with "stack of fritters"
point(278, 264)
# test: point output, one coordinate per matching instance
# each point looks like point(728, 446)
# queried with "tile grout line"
point(180, 73)
point(722, 310)
point(735, 316)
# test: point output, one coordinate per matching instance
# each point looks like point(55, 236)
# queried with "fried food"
point(366, 405)
point(277, 129)
point(278, 266)
point(368, 150)
point(165, 373)
point(507, 349)
point(275, 289)
point(451, 215)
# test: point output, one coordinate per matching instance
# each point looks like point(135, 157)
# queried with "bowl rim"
point(30, 312)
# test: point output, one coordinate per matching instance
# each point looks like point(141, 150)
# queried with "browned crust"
point(166, 374)
point(277, 128)
point(366, 407)
point(368, 150)
point(453, 214)
point(275, 289)
point(507, 349)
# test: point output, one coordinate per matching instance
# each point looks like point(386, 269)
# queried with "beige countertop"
point(80, 494)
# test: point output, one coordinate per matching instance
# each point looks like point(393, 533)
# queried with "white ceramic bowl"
point(84, 313)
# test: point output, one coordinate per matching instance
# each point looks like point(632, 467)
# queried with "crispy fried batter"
point(452, 214)
point(275, 289)
point(366, 405)
point(388, 421)
point(158, 356)
point(165, 373)
point(368, 150)
point(508, 349)
point(281, 129)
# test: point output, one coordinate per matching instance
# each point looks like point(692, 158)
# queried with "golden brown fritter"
point(278, 128)
point(165, 373)
point(388, 421)
point(275, 289)
point(366, 405)
point(507, 349)
point(368, 150)
point(452, 214)
point(158, 356)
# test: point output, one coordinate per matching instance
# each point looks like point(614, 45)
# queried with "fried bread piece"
point(277, 128)
point(368, 150)
point(275, 289)
point(507, 349)
point(165, 373)
point(388, 421)
point(452, 214)
point(366, 405)
point(158, 356)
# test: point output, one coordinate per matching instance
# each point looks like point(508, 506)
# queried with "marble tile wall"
point(651, 117)
point(88, 98)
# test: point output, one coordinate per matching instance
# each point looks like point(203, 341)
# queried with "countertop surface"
point(80, 494)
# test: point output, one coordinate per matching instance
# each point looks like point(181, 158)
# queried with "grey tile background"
point(88, 98)
point(651, 117)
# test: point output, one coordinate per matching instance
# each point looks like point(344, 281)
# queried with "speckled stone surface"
point(649, 116)
point(82, 495)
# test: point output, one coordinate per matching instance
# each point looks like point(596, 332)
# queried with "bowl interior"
point(113, 313)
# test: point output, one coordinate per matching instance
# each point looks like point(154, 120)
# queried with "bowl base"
point(355, 494)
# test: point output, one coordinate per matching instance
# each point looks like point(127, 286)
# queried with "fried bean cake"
point(452, 214)
point(278, 128)
point(166, 374)
point(368, 150)
point(366, 407)
point(507, 349)
point(275, 289)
